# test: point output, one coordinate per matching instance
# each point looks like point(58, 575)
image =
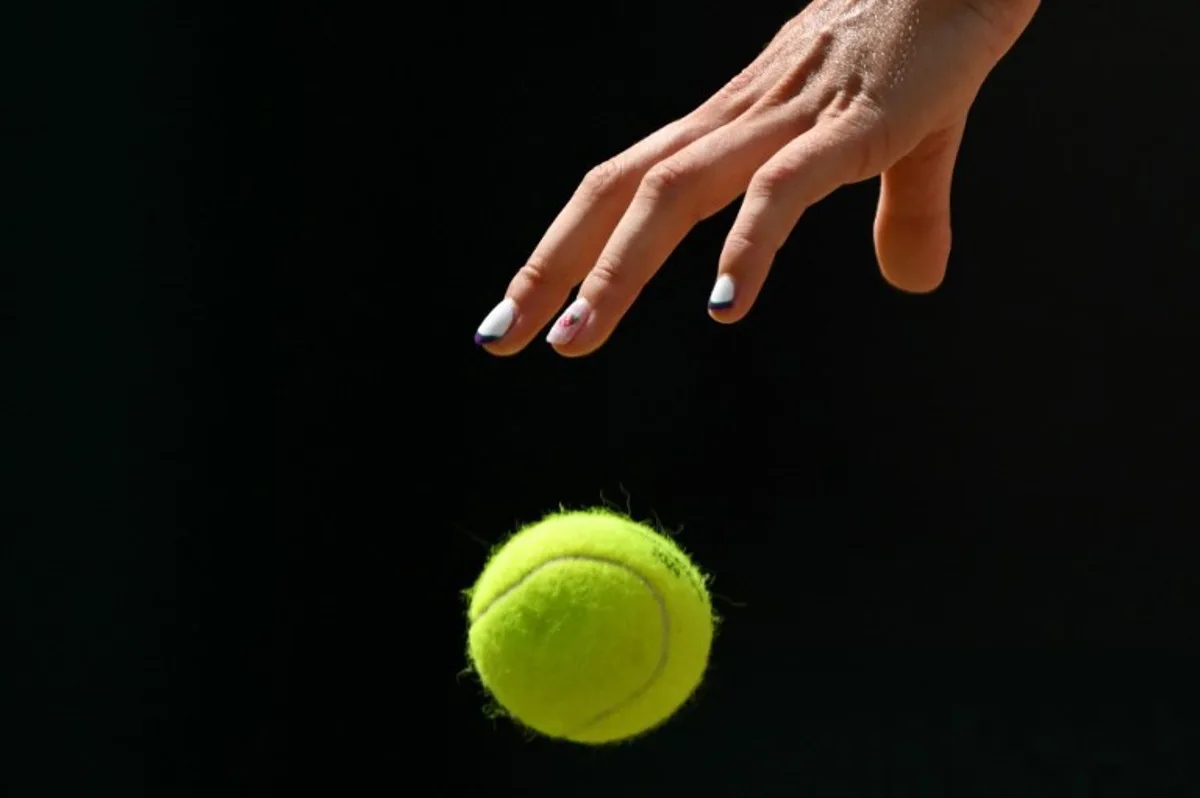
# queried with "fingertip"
point(724, 316)
point(576, 332)
point(578, 348)
point(498, 349)
point(913, 258)
point(742, 271)
point(909, 284)
point(726, 304)
point(734, 314)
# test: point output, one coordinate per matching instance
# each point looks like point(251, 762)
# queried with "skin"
point(846, 91)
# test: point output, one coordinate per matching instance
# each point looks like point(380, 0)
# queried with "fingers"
point(801, 174)
point(912, 224)
point(674, 196)
point(575, 239)
point(628, 216)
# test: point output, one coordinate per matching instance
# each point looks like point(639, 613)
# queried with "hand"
point(848, 89)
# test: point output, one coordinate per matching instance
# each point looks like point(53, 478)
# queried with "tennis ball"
point(589, 627)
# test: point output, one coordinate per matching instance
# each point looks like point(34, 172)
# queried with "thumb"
point(912, 224)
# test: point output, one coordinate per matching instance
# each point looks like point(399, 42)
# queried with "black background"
point(253, 456)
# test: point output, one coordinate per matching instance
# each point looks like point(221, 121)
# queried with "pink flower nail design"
point(569, 323)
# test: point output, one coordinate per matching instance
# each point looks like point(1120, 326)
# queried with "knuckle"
point(603, 180)
point(866, 140)
point(607, 272)
point(742, 82)
point(739, 244)
point(536, 274)
point(1001, 19)
point(865, 110)
point(861, 131)
point(769, 181)
point(666, 181)
point(735, 97)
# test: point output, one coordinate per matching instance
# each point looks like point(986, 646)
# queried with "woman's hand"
point(847, 90)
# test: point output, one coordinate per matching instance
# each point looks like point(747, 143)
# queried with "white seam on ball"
point(662, 610)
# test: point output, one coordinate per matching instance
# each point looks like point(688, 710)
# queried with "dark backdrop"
point(255, 455)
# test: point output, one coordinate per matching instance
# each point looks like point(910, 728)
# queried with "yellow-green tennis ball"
point(587, 626)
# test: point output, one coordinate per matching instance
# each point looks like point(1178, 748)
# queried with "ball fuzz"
point(590, 627)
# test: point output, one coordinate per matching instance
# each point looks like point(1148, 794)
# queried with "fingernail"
point(495, 325)
point(569, 323)
point(721, 297)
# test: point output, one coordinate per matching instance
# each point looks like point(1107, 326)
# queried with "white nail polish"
point(569, 323)
point(496, 325)
point(721, 297)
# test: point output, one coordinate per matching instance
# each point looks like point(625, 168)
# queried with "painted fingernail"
point(721, 297)
point(495, 325)
point(569, 323)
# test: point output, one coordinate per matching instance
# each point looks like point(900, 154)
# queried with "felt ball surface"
point(590, 627)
